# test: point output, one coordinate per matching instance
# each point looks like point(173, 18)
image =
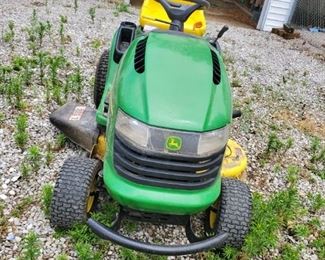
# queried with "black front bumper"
point(109, 234)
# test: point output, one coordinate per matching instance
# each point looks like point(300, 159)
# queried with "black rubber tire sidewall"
point(100, 78)
point(68, 206)
point(233, 212)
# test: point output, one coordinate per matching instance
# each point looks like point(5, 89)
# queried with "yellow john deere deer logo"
point(173, 143)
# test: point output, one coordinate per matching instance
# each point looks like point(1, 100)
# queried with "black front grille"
point(165, 171)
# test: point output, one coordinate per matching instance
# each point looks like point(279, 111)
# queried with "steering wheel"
point(179, 13)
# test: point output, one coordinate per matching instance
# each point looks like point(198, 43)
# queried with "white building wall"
point(275, 13)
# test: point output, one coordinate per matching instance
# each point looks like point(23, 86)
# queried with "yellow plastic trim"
point(100, 148)
point(234, 162)
point(151, 9)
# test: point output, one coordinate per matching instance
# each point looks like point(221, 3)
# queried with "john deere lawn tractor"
point(159, 136)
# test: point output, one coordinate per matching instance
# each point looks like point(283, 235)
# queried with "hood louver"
point(216, 68)
point(139, 56)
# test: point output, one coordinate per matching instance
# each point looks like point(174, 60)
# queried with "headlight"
point(160, 140)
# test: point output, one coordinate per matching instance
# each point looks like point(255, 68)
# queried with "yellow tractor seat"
point(152, 11)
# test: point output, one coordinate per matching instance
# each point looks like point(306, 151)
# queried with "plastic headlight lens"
point(212, 142)
point(154, 139)
point(134, 131)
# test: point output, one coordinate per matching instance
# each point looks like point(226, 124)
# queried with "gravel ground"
point(279, 84)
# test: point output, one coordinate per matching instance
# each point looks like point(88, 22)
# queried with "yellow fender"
point(234, 162)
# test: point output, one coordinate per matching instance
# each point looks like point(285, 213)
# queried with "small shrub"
point(301, 230)
point(31, 247)
point(47, 193)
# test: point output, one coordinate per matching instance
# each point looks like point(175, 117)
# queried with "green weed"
point(92, 13)
point(47, 193)
point(62, 257)
point(275, 144)
point(290, 252)
point(96, 44)
point(34, 157)
point(268, 218)
point(301, 230)
point(120, 7)
point(317, 202)
point(25, 169)
point(21, 134)
point(85, 252)
point(2, 118)
point(15, 92)
point(75, 6)
point(317, 160)
point(319, 244)
point(60, 141)
point(31, 247)
point(9, 35)
point(293, 174)
point(63, 21)
point(49, 155)
point(22, 206)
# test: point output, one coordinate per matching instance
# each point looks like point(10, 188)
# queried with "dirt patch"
point(306, 123)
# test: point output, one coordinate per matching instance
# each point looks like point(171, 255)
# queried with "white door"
point(275, 13)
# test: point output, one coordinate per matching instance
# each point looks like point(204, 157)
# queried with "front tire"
point(231, 213)
point(74, 192)
point(100, 78)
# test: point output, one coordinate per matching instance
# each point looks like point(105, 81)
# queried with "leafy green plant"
point(293, 174)
point(31, 247)
point(301, 230)
point(41, 30)
point(9, 35)
point(74, 83)
point(60, 141)
point(85, 252)
point(275, 144)
point(319, 244)
point(96, 44)
point(41, 56)
point(49, 156)
point(62, 257)
point(21, 135)
point(317, 202)
point(269, 217)
point(34, 157)
point(121, 7)
point(2, 118)
point(290, 252)
point(92, 13)
point(25, 169)
point(317, 160)
point(15, 92)
point(63, 21)
point(47, 194)
point(21, 206)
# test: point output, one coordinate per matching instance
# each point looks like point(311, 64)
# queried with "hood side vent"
point(216, 68)
point(139, 56)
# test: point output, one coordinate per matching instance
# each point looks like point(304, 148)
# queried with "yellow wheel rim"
point(91, 197)
point(212, 219)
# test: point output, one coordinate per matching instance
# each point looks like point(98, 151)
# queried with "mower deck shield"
point(106, 233)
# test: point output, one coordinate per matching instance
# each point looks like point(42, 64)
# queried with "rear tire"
point(100, 78)
point(232, 212)
point(73, 191)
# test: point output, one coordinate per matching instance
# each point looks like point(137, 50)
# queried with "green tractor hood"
point(166, 80)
